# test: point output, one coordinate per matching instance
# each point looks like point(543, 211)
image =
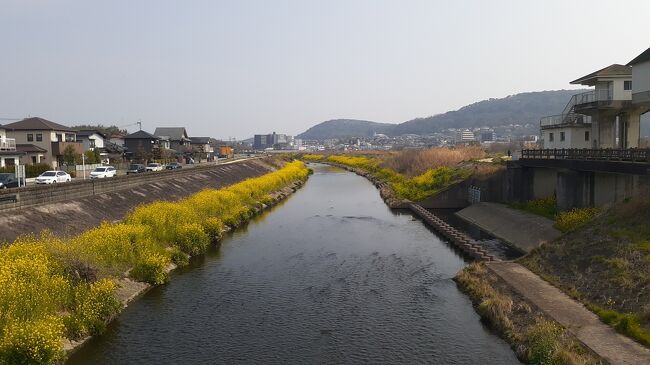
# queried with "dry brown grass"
point(416, 162)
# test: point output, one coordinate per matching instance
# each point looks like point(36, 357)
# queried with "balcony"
point(598, 99)
point(58, 148)
point(7, 144)
point(565, 120)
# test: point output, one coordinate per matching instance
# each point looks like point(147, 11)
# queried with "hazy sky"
point(235, 68)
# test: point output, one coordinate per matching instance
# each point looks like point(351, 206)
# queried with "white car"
point(102, 172)
point(51, 177)
point(154, 167)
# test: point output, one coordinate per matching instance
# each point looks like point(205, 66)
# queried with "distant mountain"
point(524, 108)
point(345, 128)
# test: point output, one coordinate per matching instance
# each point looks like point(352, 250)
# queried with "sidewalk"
point(521, 229)
point(585, 325)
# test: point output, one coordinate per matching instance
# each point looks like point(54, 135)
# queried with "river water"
point(329, 276)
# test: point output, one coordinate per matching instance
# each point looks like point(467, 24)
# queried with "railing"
point(571, 118)
point(594, 96)
point(630, 155)
point(7, 144)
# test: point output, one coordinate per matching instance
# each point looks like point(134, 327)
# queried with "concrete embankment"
point(522, 230)
point(72, 208)
point(460, 240)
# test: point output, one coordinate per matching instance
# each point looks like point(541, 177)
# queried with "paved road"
point(519, 228)
point(584, 324)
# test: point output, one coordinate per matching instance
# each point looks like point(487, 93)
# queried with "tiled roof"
point(141, 135)
point(613, 70)
point(37, 124)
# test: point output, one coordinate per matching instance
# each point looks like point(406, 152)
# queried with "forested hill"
point(521, 108)
point(344, 128)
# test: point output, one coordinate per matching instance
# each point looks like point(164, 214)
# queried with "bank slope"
point(606, 265)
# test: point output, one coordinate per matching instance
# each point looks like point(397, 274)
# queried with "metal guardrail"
point(629, 155)
point(594, 95)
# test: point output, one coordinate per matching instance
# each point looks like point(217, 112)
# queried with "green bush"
point(179, 258)
point(191, 239)
point(32, 170)
point(544, 340)
point(152, 269)
point(213, 227)
point(94, 305)
point(33, 342)
point(574, 218)
point(625, 323)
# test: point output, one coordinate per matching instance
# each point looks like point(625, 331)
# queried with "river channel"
point(329, 276)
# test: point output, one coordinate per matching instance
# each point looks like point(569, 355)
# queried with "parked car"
point(154, 167)
point(102, 172)
point(8, 180)
point(135, 168)
point(52, 177)
point(173, 166)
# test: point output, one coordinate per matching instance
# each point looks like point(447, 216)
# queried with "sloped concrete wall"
point(77, 208)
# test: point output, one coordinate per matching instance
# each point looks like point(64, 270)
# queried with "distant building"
point(202, 148)
point(488, 136)
point(9, 154)
point(91, 139)
point(465, 135)
point(273, 140)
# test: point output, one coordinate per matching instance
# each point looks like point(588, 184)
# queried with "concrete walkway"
point(519, 228)
point(585, 325)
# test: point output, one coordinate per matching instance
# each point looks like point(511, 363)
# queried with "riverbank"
point(55, 288)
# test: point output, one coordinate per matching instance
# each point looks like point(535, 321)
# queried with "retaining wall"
point(73, 207)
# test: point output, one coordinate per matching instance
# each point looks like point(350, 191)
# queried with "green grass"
point(546, 207)
point(628, 324)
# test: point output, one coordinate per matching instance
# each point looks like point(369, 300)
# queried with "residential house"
point(641, 79)
point(117, 138)
point(177, 138)
point(142, 146)
point(201, 148)
point(91, 139)
point(9, 154)
point(43, 141)
point(600, 118)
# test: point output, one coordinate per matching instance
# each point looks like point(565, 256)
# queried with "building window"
point(33, 159)
point(587, 136)
point(39, 137)
point(550, 137)
point(561, 136)
point(30, 137)
point(627, 85)
point(91, 143)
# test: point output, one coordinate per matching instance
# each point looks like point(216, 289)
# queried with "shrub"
point(546, 207)
point(544, 343)
point(152, 269)
point(36, 341)
point(213, 227)
point(575, 218)
point(179, 258)
point(191, 239)
point(93, 305)
point(625, 323)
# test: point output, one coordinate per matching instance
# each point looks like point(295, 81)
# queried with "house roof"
point(645, 56)
point(29, 148)
point(37, 124)
point(140, 135)
point(86, 133)
point(609, 71)
point(174, 133)
point(200, 140)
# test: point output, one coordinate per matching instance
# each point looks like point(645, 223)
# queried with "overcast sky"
point(235, 68)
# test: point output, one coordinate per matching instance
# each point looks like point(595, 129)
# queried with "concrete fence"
point(17, 198)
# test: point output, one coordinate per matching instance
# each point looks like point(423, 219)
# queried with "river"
point(329, 276)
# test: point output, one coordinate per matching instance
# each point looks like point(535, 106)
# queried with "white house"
point(91, 139)
point(9, 154)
